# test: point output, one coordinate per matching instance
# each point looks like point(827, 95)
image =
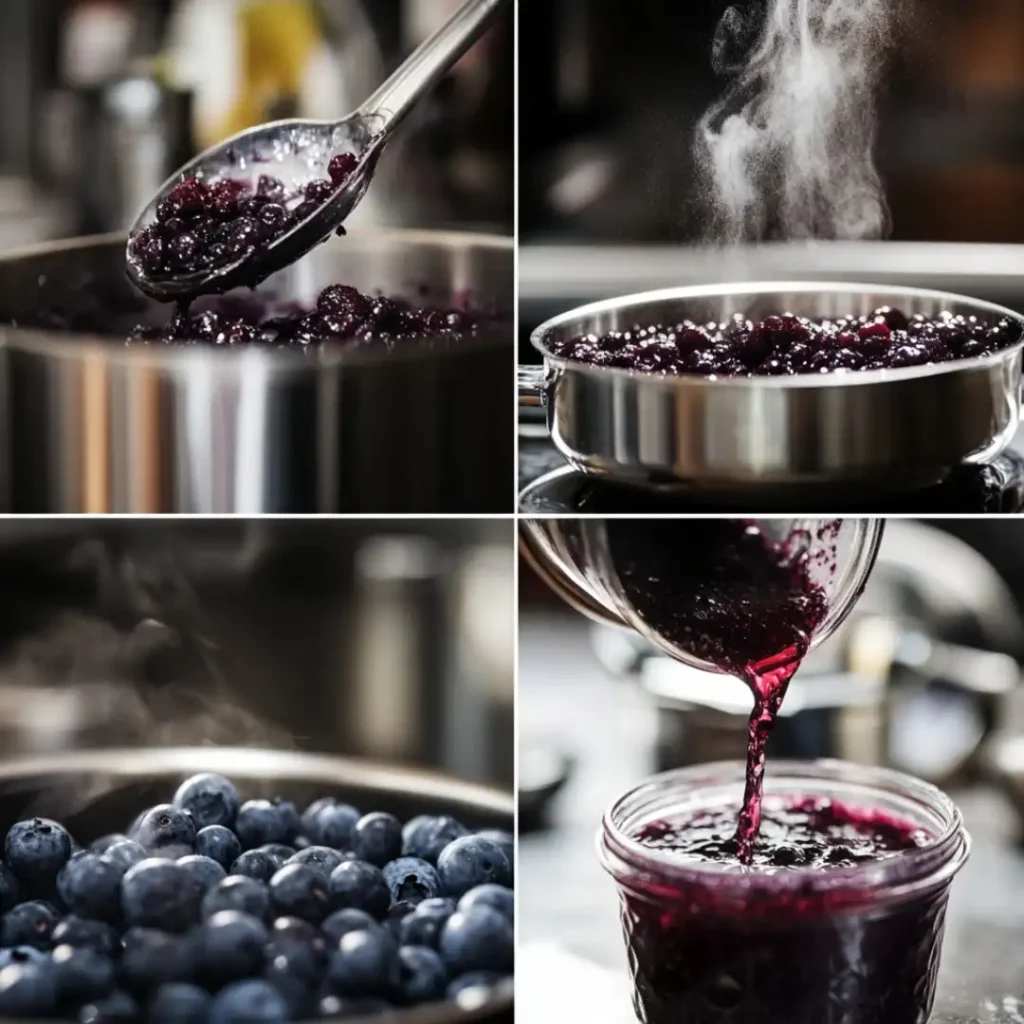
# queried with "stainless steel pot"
point(891, 431)
point(98, 792)
point(91, 426)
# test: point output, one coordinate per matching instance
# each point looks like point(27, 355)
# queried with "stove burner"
point(549, 487)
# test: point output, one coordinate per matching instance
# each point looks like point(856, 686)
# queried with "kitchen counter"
point(568, 914)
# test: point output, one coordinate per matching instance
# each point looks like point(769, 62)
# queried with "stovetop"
point(549, 486)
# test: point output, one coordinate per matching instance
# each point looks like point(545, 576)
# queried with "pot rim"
point(201, 360)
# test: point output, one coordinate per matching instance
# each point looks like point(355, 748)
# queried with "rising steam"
point(788, 150)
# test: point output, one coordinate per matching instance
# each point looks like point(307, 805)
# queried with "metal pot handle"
point(531, 385)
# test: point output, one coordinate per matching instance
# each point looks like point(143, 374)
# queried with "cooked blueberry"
point(218, 843)
point(82, 975)
point(231, 946)
point(28, 990)
point(205, 870)
point(117, 1008)
point(319, 191)
point(166, 826)
point(86, 933)
point(29, 924)
point(469, 862)
point(365, 964)
point(479, 939)
point(377, 838)
point(411, 880)
point(260, 822)
point(255, 864)
point(160, 894)
point(427, 836)
point(249, 1002)
point(90, 886)
point(498, 897)
point(209, 799)
point(423, 926)
point(178, 1003)
point(341, 922)
point(340, 167)
point(330, 823)
point(361, 885)
point(238, 892)
point(298, 890)
point(270, 188)
point(37, 849)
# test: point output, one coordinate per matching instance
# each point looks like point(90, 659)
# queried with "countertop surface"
point(568, 916)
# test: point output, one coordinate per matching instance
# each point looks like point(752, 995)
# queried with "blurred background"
point(388, 640)
point(102, 99)
point(924, 676)
point(611, 95)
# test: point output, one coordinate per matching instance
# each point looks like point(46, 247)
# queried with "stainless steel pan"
point(88, 425)
point(889, 431)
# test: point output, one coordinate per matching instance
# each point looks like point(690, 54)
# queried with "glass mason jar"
point(722, 944)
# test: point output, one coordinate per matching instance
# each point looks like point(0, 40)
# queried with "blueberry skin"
point(377, 838)
point(365, 964)
point(423, 926)
point(210, 800)
point(219, 844)
point(127, 853)
point(422, 975)
point(486, 981)
point(333, 1008)
point(293, 962)
point(160, 894)
point(178, 1003)
point(298, 890)
point(10, 890)
point(279, 853)
point(21, 955)
point(260, 822)
point(90, 886)
point(411, 880)
point(499, 897)
point(323, 858)
point(29, 924)
point(425, 837)
point(166, 825)
point(205, 870)
point(469, 862)
point(104, 843)
point(505, 841)
point(293, 931)
point(249, 1002)
point(28, 990)
point(117, 1008)
point(237, 892)
point(477, 940)
point(255, 864)
point(37, 849)
point(151, 958)
point(327, 822)
point(290, 814)
point(82, 975)
point(231, 946)
point(358, 884)
point(341, 922)
point(85, 933)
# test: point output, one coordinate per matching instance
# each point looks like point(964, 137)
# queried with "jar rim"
point(891, 878)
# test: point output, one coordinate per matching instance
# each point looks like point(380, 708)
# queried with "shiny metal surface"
point(91, 426)
point(96, 792)
point(308, 147)
point(892, 430)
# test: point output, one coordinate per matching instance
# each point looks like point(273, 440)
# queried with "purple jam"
point(788, 345)
point(729, 595)
point(774, 953)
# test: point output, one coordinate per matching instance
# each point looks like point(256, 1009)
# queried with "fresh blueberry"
point(117, 1008)
point(279, 853)
point(396, 914)
point(422, 976)
point(90, 886)
point(499, 897)
point(377, 838)
point(336, 1008)
point(323, 858)
point(358, 884)
point(127, 853)
point(294, 931)
point(218, 843)
point(10, 891)
point(104, 843)
point(178, 1003)
point(505, 841)
point(231, 946)
point(291, 962)
point(209, 799)
point(365, 964)
point(260, 822)
point(426, 836)
point(341, 922)
point(151, 958)
point(85, 933)
point(249, 1002)
point(411, 880)
point(290, 814)
point(423, 926)
point(469, 862)
point(205, 870)
point(37, 849)
point(29, 924)
point(477, 940)
point(255, 864)
point(21, 955)
point(28, 990)
point(298, 890)
point(327, 822)
point(479, 984)
point(83, 975)
point(237, 892)
point(160, 894)
point(166, 826)
point(287, 972)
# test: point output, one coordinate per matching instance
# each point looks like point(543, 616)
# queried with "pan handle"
point(531, 380)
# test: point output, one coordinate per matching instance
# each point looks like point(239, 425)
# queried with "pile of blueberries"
point(788, 345)
point(209, 910)
point(200, 226)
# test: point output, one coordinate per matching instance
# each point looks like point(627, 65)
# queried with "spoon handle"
point(428, 63)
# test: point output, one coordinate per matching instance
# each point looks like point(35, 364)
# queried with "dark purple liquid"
point(788, 345)
point(729, 595)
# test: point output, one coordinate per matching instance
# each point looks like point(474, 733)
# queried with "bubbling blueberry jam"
point(789, 345)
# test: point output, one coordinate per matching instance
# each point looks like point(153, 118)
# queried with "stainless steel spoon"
point(302, 150)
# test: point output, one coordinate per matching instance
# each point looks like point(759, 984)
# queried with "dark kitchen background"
point(388, 640)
